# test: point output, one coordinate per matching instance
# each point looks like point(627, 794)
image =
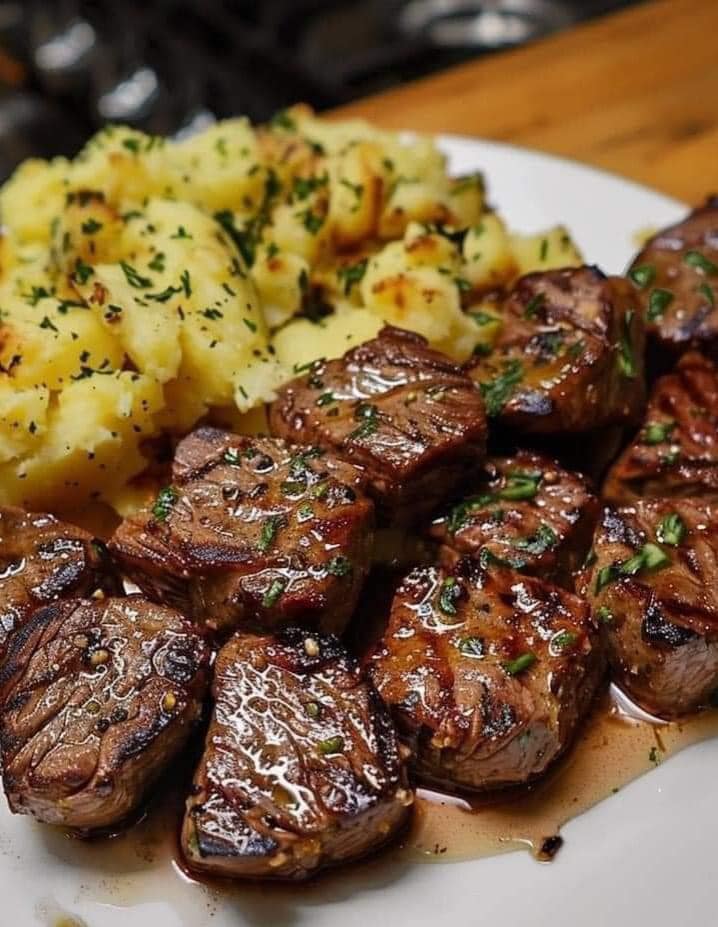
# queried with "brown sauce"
point(618, 743)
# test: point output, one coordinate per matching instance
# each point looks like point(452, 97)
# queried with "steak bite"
point(676, 451)
point(97, 698)
point(301, 768)
point(405, 414)
point(676, 279)
point(487, 672)
point(252, 530)
point(652, 586)
point(569, 356)
point(42, 560)
point(525, 512)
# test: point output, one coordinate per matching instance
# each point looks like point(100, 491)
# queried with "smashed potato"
point(149, 283)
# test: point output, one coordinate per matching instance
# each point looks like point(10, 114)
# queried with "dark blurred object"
point(169, 66)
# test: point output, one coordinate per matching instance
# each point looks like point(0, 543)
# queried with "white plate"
point(646, 856)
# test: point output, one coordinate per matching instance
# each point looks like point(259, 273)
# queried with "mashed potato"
point(149, 283)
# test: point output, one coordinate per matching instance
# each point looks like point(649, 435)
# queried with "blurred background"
point(169, 66)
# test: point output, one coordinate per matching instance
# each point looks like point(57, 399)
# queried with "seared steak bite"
point(97, 698)
point(399, 410)
point(487, 672)
point(652, 586)
point(42, 560)
point(676, 279)
point(676, 451)
point(252, 530)
point(525, 512)
point(301, 768)
point(569, 357)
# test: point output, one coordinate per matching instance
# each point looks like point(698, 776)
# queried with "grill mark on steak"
point(404, 413)
point(660, 618)
point(678, 261)
point(525, 511)
point(301, 768)
point(676, 451)
point(97, 697)
point(43, 560)
point(569, 355)
point(295, 553)
point(487, 672)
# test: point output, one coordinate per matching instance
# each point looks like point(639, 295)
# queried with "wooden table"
point(635, 92)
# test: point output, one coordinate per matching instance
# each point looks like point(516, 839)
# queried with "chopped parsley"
point(135, 279)
point(657, 432)
point(672, 530)
point(520, 485)
point(185, 281)
point(270, 528)
point(563, 641)
point(158, 262)
point(282, 120)
point(649, 557)
point(273, 593)
point(181, 233)
point(303, 187)
point(311, 221)
point(520, 664)
point(331, 745)
point(643, 275)
point(707, 291)
point(497, 392)
point(164, 502)
point(544, 539)
point(471, 647)
point(449, 595)
point(339, 566)
point(351, 274)
point(533, 305)
point(368, 415)
point(90, 226)
point(82, 272)
point(700, 262)
point(658, 302)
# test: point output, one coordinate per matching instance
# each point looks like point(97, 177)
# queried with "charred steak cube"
point(676, 451)
point(98, 696)
point(252, 530)
point(525, 512)
point(487, 672)
point(42, 560)
point(676, 279)
point(401, 411)
point(569, 356)
point(301, 768)
point(652, 588)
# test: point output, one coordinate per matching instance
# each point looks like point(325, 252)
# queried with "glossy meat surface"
point(301, 768)
point(97, 699)
point(676, 278)
point(487, 672)
point(676, 451)
point(405, 414)
point(569, 356)
point(252, 531)
point(652, 587)
point(42, 560)
point(525, 512)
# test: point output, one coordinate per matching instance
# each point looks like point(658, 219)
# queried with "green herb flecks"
point(273, 593)
point(520, 664)
point(339, 566)
point(166, 499)
point(368, 415)
point(520, 485)
point(657, 432)
point(642, 276)
point(700, 262)
point(270, 529)
point(134, 278)
point(658, 302)
point(471, 647)
point(649, 557)
point(626, 356)
point(671, 530)
point(449, 595)
point(497, 392)
point(352, 274)
point(537, 544)
point(331, 745)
